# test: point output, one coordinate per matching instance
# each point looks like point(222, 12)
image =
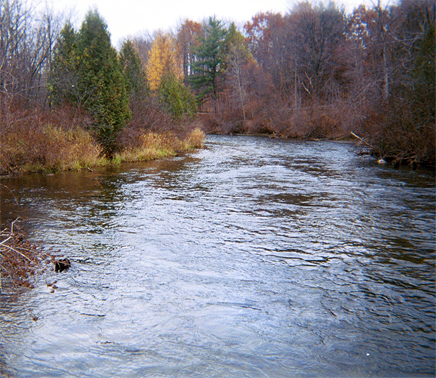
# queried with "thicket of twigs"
point(20, 259)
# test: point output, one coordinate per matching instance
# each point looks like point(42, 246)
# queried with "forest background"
point(69, 100)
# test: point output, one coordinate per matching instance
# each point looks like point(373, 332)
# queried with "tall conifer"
point(209, 59)
point(62, 83)
point(134, 75)
point(101, 80)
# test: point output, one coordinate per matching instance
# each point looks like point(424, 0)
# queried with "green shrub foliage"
point(176, 99)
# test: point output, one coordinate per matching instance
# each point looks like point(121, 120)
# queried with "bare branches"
point(27, 36)
point(20, 259)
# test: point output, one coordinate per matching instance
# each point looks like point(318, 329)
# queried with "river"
point(250, 258)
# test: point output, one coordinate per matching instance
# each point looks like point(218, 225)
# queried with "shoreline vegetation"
point(69, 100)
point(53, 145)
point(76, 149)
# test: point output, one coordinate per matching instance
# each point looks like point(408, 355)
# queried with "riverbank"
point(151, 146)
point(53, 149)
point(394, 135)
point(66, 150)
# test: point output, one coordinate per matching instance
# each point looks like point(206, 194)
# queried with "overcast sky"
point(133, 17)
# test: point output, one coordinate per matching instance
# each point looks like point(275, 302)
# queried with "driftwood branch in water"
point(361, 140)
point(357, 136)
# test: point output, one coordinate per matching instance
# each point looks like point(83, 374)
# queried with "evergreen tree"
point(62, 82)
point(134, 75)
point(235, 41)
point(101, 81)
point(209, 59)
point(424, 79)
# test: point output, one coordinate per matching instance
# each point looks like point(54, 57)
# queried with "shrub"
point(195, 139)
point(33, 143)
point(176, 99)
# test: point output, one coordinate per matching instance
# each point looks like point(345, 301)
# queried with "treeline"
point(69, 100)
point(317, 73)
point(313, 72)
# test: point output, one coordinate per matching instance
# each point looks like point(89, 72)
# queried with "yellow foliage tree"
point(162, 60)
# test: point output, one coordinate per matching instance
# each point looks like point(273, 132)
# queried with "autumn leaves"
point(162, 61)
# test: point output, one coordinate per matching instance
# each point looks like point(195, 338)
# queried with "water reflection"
point(252, 257)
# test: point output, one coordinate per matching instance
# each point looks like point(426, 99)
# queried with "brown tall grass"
point(46, 142)
point(153, 146)
point(195, 139)
point(152, 134)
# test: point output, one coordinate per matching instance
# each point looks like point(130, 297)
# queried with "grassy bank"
point(152, 146)
point(48, 149)
point(37, 143)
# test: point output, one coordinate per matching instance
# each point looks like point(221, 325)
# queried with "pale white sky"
point(133, 17)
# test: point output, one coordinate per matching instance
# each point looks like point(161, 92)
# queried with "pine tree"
point(62, 82)
point(424, 78)
point(209, 59)
point(134, 75)
point(101, 82)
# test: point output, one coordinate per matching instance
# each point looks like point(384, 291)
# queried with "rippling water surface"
point(250, 258)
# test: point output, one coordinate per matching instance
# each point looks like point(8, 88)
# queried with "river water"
point(250, 258)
